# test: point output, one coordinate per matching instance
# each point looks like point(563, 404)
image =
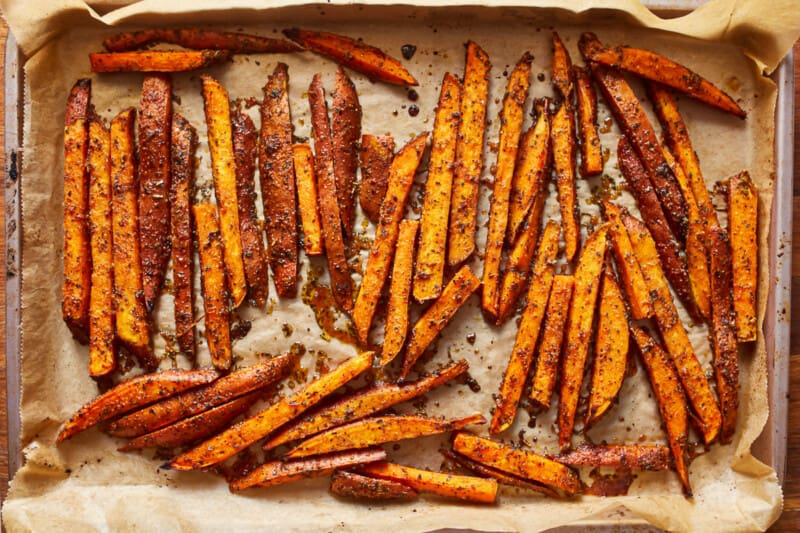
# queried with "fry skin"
point(562, 137)
point(401, 178)
point(620, 457)
point(743, 226)
point(156, 61)
point(561, 69)
point(501, 477)
point(467, 488)
point(399, 289)
point(591, 150)
point(76, 287)
point(238, 43)
point(356, 55)
point(131, 394)
point(352, 485)
point(345, 134)
point(375, 158)
point(307, 199)
point(429, 276)
point(469, 156)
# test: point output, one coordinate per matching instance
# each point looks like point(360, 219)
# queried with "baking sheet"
point(607, 35)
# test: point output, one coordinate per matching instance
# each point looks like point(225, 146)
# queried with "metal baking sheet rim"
point(770, 447)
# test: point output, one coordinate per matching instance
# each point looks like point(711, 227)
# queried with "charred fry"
point(468, 488)
point(375, 157)
point(618, 456)
point(156, 61)
point(345, 134)
point(562, 137)
point(307, 199)
point(743, 226)
point(591, 151)
point(351, 485)
point(399, 289)
point(238, 43)
point(501, 477)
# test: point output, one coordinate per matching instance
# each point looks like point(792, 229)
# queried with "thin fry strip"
point(469, 155)
point(239, 43)
point(240, 436)
point(345, 134)
point(561, 69)
point(743, 227)
point(253, 256)
point(364, 403)
point(591, 150)
point(76, 287)
point(307, 199)
point(352, 485)
point(438, 315)
point(399, 289)
point(467, 488)
point(555, 323)
point(501, 477)
point(375, 158)
point(401, 178)
point(429, 276)
point(562, 137)
point(511, 118)
point(102, 345)
point(579, 331)
point(223, 166)
point(156, 61)
point(215, 292)
point(626, 457)
point(521, 357)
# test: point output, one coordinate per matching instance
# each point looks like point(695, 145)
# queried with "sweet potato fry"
point(102, 345)
point(131, 394)
point(364, 403)
point(544, 378)
point(375, 157)
point(611, 350)
point(561, 69)
point(328, 202)
point(625, 457)
point(399, 289)
point(591, 151)
point(184, 144)
point(276, 168)
point(429, 277)
point(133, 329)
point(253, 256)
point(656, 67)
point(579, 331)
point(240, 436)
point(562, 137)
point(156, 61)
point(521, 357)
point(664, 379)
point(501, 477)
point(524, 464)
point(307, 199)
point(279, 472)
point(467, 488)
point(379, 430)
point(511, 118)
point(194, 428)
point(743, 226)
point(676, 339)
point(223, 166)
point(723, 337)
point(351, 485)
point(76, 287)
point(469, 155)
point(345, 134)
point(401, 178)
point(224, 389)
point(368, 60)
point(238, 43)
point(437, 316)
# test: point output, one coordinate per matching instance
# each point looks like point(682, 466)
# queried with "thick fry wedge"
point(587, 275)
point(562, 137)
point(307, 203)
point(184, 144)
point(429, 277)
point(132, 394)
point(521, 357)
point(279, 472)
point(352, 485)
point(591, 150)
point(653, 66)
point(223, 166)
point(368, 60)
point(375, 158)
point(555, 323)
point(561, 69)
point(224, 389)
point(133, 329)
point(156, 61)
point(676, 339)
point(253, 256)
point(379, 430)
point(511, 118)
point(399, 289)
point(468, 488)
point(76, 287)
point(401, 178)
point(345, 134)
point(524, 464)
point(102, 345)
point(670, 399)
point(155, 127)
point(438, 315)
point(328, 200)
point(743, 227)
point(240, 436)
point(364, 403)
point(625, 457)
point(469, 156)
point(238, 43)
point(611, 349)
point(501, 477)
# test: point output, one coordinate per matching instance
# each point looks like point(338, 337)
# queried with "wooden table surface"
point(789, 521)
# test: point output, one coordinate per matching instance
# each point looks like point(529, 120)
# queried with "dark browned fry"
point(345, 134)
point(156, 61)
point(238, 43)
point(351, 485)
point(591, 151)
point(376, 159)
point(617, 456)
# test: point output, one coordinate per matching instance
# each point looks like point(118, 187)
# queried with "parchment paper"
point(85, 484)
